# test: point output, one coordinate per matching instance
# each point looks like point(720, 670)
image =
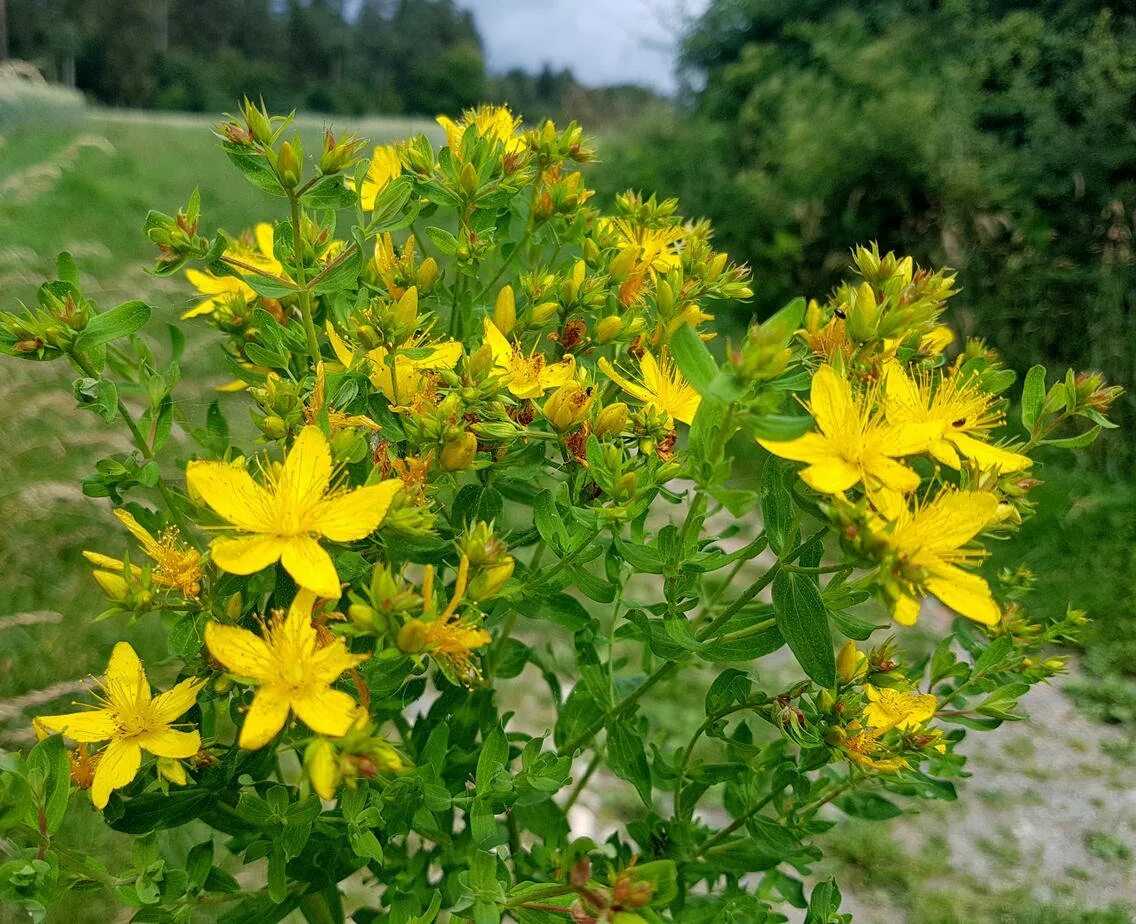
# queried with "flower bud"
point(469, 180)
point(608, 328)
point(412, 637)
point(323, 768)
point(505, 310)
point(488, 581)
point(544, 312)
point(567, 406)
point(850, 662)
point(458, 454)
point(427, 275)
point(406, 311)
point(612, 420)
point(288, 163)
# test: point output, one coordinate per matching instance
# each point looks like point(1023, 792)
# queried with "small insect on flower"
point(131, 720)
point(284, 518)
point(661, 387)
point(292, 671)
point(961, 412)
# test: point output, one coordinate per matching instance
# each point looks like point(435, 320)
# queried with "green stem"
point(688, 753)
point(593, 764)
point(668, 667)
point(303, 292)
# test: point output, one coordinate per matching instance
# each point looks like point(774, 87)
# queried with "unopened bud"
point(288, 165)
point(505, 310)
point(458, 454)
point(427, 275)
point(608, 328)
point(544, 312)
point(406, 311)
point(612, 420)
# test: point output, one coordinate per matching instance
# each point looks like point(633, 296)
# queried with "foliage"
point(993, 137)
point(471, 496)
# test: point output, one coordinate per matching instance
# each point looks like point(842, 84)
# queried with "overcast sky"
point(602, 41)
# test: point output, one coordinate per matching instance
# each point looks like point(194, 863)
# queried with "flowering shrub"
point(491, 528)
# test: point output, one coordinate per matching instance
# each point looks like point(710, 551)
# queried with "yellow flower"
point(285, 517)
point(865, 750)
point(661, 387)
point(526, 376)
point(653, 249)
point(415, 363)
point(854, 443)
point(930, 544)
point(905, 710)
point(292, 673)
point(956, 409)
point(221, 289)
point(385, 165)
point(132, 721)
point(176, 565)
point(494, 122)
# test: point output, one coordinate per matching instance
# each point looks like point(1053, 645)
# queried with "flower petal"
point(310, 566)
point(906, 610)
point(952, 519)
point(830, 399)
point(831, 475)
point(125, 680)
point(965, 593)
point(118, 766)
point(174, 703)
point(811, 447)
point(306, 474)
point(892, 474)
point(169, 742)
point(354, 514)
point(241, 652)
point(265, 718)
point(988, 456)
point(87, 727)
point(326, 711)
point(247, 554)
point(231, 492)
point(296, 638)
point(632, 388)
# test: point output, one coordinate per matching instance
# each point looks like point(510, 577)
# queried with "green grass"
point(85, 185)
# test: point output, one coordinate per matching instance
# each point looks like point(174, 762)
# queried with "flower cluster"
point(490, 439)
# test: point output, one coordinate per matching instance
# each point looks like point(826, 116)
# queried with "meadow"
point(1052, 840)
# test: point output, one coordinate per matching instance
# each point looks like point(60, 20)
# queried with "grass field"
point(85, 185)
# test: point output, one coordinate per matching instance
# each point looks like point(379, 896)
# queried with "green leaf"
point(443, 240)
point(49, 772)
point(803, 621)
point(494, 755)
point(66, 269)
point(785, 321)
point(824, 903)
point(693, 358)
point(1033, 396)
point(779, 427)
point(777, 508)
point(663, 875)
point(627, 758)
point(121, 321)
point(216, 429)
point(255, 168)
point(329, 192)
point(1080, 441)
point(389, 204)
point(729, 688)
point(341, 276)
point(869, 805)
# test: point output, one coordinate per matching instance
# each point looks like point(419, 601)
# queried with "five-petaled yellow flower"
point(132, 720)
point(930, 543)
point(661, 387)
point(902, 709)
point(958, 409)
point(292, 671)
point(176, 565)
point(854, 443)
point(526, 376)
point(284, 518)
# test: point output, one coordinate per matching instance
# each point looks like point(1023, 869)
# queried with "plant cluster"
point(486, 519)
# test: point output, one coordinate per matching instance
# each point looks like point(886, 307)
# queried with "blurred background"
point(997, 137)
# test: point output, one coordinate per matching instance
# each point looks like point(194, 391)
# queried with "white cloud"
point(601, 41)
